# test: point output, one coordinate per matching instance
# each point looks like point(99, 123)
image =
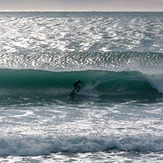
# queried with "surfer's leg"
point(74, 89)
point(78, 88)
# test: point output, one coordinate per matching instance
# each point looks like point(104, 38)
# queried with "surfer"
point(77, 86)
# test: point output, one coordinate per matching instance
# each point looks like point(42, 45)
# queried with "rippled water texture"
point(118, 114)
point(49, 32)
point(52, 41)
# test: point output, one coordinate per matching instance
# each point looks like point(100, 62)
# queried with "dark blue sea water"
point(117, 116)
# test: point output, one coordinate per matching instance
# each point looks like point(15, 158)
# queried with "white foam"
point(89, 90)
point(34, 146)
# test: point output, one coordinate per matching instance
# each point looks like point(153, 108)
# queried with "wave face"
point(98, 84)
point(102, 81)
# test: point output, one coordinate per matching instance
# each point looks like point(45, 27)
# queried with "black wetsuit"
point(77, 86)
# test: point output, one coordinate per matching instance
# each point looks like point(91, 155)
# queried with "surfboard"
point(72, 94)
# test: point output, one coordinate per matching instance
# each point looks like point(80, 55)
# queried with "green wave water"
point(101, 80)
point(98, 82)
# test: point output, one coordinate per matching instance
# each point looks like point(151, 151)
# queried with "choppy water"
point(117, 115)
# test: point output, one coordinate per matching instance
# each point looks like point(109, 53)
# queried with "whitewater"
point(117, 116)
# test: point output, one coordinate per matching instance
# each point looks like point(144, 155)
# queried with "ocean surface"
point(117, 116)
